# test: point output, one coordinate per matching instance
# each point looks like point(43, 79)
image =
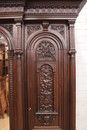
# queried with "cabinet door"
point(47, 91)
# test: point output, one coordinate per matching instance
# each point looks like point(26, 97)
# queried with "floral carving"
point(46, 89)
point(59, 28)
point(9, 28)
point(32, 28)
point(45, 51)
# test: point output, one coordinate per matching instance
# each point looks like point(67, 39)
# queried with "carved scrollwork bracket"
point(45, 25)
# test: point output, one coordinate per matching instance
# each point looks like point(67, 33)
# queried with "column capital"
point(18, 21)
point(18, 52)
point(72, 52)
point(10, 53)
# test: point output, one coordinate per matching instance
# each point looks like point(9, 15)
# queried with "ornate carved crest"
point(45, 51)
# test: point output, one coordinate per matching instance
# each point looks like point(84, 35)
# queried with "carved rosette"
point(45, 51)
point(46, 119)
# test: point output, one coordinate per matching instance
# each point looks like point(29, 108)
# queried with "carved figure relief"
point(45, 51)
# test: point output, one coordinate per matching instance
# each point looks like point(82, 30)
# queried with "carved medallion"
point(45, 51)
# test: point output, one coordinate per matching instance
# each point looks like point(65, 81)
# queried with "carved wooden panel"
point(46, 89)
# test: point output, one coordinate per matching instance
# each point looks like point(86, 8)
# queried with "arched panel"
point(8, 38)
point(57, 38)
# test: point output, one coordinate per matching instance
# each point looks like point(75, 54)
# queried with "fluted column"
point(11, 89)
point(72, 77)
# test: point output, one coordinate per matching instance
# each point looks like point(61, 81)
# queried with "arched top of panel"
point(7, 36)
point(38, 36)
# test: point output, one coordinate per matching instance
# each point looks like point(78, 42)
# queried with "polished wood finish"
point(41, 57)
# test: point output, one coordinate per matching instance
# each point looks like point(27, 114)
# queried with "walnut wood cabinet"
point(41, 56)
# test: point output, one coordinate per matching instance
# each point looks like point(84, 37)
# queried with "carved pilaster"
point(18, 53)
point(72, 75)
point(11, 89)
point(18, 33)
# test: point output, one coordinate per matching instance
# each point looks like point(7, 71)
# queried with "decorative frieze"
point(11, 9)
point(52, 10)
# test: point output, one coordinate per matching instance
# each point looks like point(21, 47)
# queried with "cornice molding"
point(11, 9)
point(12, 4)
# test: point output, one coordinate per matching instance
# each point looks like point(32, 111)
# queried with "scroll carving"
point(32, 28)
point(46, 119)
point(59, 28)
point(9, 28)
point(46, 51)
point(46, 89)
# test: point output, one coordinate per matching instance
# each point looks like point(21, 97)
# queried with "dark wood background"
point(30, 27)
